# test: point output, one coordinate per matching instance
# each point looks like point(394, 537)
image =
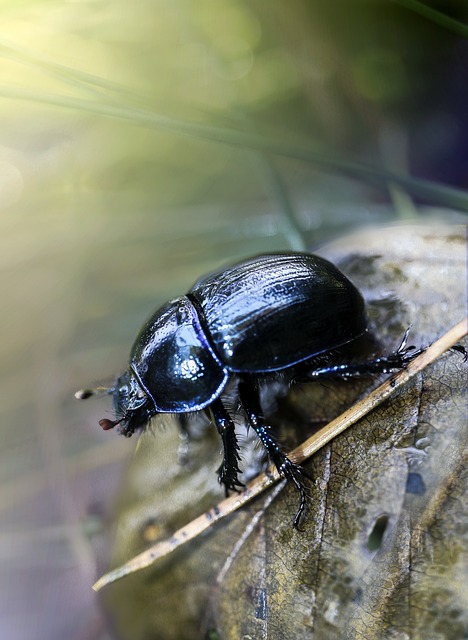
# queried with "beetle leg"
point(229, 468)
point(398, 359)
point(294, 473)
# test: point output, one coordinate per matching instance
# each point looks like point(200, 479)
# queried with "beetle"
point(275, 314)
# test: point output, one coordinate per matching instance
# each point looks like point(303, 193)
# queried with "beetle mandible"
point(273, 313)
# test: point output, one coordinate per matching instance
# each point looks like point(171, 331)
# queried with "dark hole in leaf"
point(376, 535)
point(358, 595)
point(415, 484)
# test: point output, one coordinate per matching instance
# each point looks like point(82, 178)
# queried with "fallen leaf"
point(383, 551)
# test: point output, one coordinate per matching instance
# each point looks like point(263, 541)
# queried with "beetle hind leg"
point(294, 473)
point(229, 468)
point(394, 361)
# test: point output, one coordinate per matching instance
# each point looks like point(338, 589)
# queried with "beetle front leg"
point(294, 473)
point(229, 468)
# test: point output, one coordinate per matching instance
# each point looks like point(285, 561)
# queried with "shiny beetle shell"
point(174, 361)
point(261, 315)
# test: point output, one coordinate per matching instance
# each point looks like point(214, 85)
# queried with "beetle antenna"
point(83, 394)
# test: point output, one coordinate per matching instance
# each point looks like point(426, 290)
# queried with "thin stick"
point(301, 453)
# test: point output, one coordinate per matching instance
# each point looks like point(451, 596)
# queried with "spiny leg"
point(294, 473)
point(229, 468)
point(398, 359)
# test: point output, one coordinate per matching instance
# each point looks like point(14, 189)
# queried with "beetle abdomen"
point(275, 310)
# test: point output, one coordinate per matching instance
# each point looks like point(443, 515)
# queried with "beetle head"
point(133, 408)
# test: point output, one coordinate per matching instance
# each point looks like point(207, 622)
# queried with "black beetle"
point(271, 313)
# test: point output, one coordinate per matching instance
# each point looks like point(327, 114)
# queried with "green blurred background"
point(143, 144)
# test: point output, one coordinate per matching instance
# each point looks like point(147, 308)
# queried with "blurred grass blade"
point(76, 78)
point(430, 191)
point(435, 16)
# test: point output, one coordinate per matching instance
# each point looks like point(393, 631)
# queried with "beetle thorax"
point(173, 361)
